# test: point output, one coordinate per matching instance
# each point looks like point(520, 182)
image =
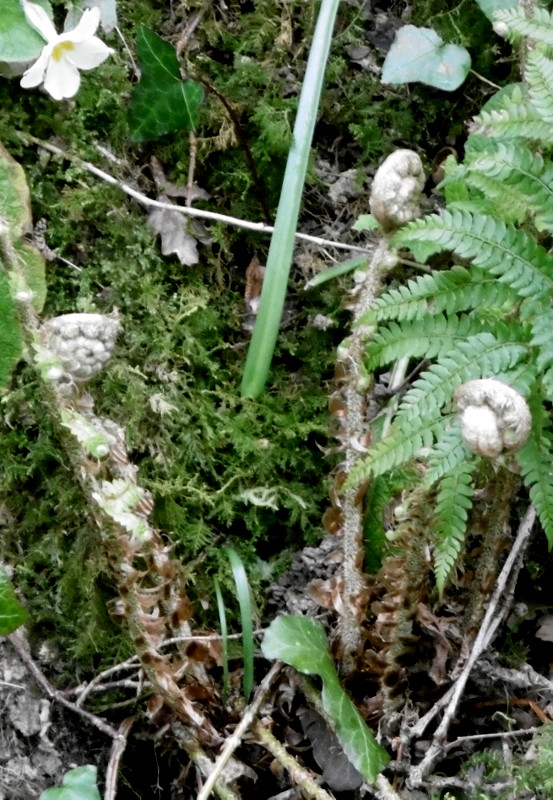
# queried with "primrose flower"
point(64, 54)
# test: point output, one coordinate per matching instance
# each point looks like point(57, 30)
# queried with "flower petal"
point(39, 19)
point(87, 25)
point(62, 79)
point(35, 74)
point(87, 55)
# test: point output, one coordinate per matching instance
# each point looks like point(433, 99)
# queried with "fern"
point(515, 118)
point(539, 75)
point(535, 461)
point(419, 421)
point(514, 179)
point(538, 27)
point(428, 337)
point(452, 290)
point(453, 503)
point(507, 252)
point(447, 454)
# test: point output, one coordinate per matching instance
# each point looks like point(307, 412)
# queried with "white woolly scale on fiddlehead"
point(396, 190)
point(494, 417)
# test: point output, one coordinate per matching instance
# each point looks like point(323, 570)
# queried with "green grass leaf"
point(224, 635)
point(246, 616)
point(419, 54)
point(162, 102)
point(77, 784)
point(302, 643)
point(12, 615)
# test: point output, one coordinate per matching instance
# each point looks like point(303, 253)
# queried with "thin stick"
point(117, 750)
point(490, 623)
point(299, 775)
point(260, 227)
point(235, 738)
point(19, 643)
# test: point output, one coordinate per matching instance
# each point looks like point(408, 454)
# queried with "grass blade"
point(246, 616)
point(262, 345)
point(224, 636)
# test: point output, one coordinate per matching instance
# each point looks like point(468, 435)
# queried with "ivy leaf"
point(19, 41)
point(419, 54)
point(489, 7)
point(301, 642)
point(77, 784)
point(162, 102)
point(12, 615)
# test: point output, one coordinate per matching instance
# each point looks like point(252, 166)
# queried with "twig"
point(234, 740)
point(490, 623)
point(19, 643)
point(117, 750)
point(298, 774)
point(260, 227)
point(83, 692)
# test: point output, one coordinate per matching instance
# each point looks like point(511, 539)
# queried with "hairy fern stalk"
point(489, 314)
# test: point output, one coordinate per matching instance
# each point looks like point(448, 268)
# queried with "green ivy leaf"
point(301, 642)
point(19, 41)
point(77, 784)
point(12, 615)
point(162, 102)
point(419, 54)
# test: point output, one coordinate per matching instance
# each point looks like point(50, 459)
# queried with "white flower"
point(64, 54)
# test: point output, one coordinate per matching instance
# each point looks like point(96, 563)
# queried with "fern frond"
point(419, 421)
point(447, 454)
point(539, 76)
point(515, 119)
point(477, 356)
point(542, 338)
point(399, 447)
point(505, 251)
point(453, 503)
point(452, 290)
point(535, 460)
point(510, 174)
point(428, 337)
point(538, 27)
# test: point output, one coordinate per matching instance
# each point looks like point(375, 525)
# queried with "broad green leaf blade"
point(77, 784)
point(489, 7)
point(10, 333)
point(15, 199)
point(246, 616)
point(12, 615)
point(356, 738)
point(19, 41)
point(33, 270)
point(419, 54)
point(162, 102)
point(301, 642)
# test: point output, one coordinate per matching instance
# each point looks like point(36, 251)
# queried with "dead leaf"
point(545, 630)
point(172, 227)
point(338, 771)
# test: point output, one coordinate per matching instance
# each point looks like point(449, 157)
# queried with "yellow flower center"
point(58, 50)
